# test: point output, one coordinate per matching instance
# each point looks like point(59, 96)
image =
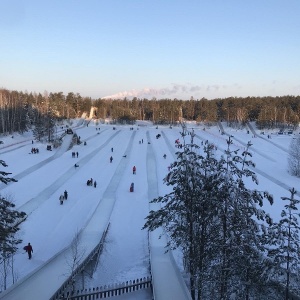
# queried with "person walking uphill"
point(111, 159)
point(66, 194)
point(133, 170)
point(29, 250)
point(61, 199)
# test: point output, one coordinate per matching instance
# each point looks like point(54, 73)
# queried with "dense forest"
point(20, 110)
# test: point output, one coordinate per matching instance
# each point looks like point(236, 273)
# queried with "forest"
point(20, 110)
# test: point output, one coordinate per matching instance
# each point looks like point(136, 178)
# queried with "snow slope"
point(51, 227)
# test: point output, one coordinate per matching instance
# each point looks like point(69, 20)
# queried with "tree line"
point(19, 110)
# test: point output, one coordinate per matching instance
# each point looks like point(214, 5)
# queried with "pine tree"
point(237, 216)
point(10, 219)
point(3, 174)
point(294, 157)
point(214, 218)
point(285, 245)
point(183, 207)
point(39, 130)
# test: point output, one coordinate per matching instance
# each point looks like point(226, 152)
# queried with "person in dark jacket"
point(66, 194)
point(29, 250)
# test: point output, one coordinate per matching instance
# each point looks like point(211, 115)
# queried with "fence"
point(109, 291)
point(92, 254)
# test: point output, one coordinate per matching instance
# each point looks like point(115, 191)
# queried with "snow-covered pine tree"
point(185, 212)
point(294, 157)
point(44, 125)
point(3, 174)
point(39, 127)
point(285, 246)
point(10, 220)
point(213, 217)
point(239, 237)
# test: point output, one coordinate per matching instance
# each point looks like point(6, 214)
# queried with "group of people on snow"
point(34, 150)
point(75, 154)
point(63, 197)
point(91, 182)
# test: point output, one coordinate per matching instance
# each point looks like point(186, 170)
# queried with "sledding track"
point(34, 203)
point(240, 146)
point(166, 279)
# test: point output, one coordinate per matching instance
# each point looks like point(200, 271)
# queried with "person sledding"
point(29, 250)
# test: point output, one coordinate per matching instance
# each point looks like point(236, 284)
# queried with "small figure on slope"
point(61, 199)
point(29, 250)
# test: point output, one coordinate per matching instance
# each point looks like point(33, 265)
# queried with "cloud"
point(175, 89)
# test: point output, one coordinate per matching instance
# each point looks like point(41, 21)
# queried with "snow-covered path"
point(166, 280)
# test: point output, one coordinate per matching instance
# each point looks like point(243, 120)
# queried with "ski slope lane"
point(166, 279)
point(125, 255)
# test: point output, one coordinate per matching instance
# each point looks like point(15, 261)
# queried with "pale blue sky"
point(151, 48)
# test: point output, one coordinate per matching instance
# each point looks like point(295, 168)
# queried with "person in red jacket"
point(134, 170)
point(29, 250)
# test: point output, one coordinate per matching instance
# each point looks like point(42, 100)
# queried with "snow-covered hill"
point(43, 177)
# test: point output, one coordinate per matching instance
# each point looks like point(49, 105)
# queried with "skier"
point(111, 159)
point(112, 149)
point(133, 170)
point(29, 250)
point(95, 184)
point(66, 194)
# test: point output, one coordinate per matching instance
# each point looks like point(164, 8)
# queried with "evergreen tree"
point(3, 174)
point(10, 220)
point(238, 211)
point(213, 217)
point(39, 127)
point(285, 246)
point(294, 157)
point(183, 207)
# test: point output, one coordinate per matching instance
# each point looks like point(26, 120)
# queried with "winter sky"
point(151, 48)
